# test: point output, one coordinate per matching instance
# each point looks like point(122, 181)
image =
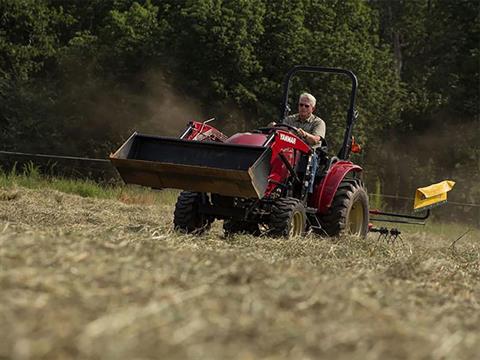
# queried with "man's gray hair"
point(310, 97)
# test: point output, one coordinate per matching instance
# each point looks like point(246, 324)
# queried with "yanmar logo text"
point(288, 139)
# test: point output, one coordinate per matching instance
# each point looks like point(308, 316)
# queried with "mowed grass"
point(104, 278)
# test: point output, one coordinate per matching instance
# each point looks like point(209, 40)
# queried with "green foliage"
point(27, 38)
point(215, 44)
point(28, 46)
point(436, 51)
point(132, 38)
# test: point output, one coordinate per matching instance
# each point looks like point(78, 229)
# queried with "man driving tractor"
point(310, 127)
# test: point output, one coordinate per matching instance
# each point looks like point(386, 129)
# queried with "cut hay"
point(92, 278)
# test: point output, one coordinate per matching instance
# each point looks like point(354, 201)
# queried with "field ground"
point(107, 279)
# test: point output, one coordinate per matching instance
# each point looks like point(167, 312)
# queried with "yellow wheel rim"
point(296, 224)
point(355, 219)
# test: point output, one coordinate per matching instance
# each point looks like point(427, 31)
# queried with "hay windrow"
point(98, 278)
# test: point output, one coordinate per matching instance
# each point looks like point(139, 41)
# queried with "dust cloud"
point(95, 114)
point(168, 110)
point(154, 105)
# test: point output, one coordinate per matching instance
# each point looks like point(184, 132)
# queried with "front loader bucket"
point(226, 169)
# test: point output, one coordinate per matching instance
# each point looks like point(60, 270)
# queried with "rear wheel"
point(187, 217)
point(288, 218)
point(348, 213)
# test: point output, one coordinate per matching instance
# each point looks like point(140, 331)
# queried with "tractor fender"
point(324, 192)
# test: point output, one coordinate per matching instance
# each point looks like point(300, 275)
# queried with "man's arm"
point(317, 134)
point(311, 139)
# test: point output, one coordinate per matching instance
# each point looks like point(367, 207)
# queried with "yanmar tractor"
point(267, 181)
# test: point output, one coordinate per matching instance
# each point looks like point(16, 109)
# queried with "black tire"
point(348, 213)
point(232, 227)
point(186, 217)
point(288, 218)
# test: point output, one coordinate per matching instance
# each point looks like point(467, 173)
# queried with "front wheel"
point(187, 218)
point(288, 218)
point(348, 213)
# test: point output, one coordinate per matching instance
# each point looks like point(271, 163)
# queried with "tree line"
point(76, 77)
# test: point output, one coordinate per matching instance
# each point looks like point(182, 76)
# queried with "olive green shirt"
point(313, 124)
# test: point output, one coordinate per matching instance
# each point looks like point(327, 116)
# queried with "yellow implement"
point(433, 195)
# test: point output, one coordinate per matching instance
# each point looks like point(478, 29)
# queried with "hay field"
point(86, 278)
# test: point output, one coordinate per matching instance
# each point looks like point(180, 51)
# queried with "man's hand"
point(272, 124)
point(302, 133)
point(310, 139)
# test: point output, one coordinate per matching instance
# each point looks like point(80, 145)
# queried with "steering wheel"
point(267, 130)
point(262, 130)
point(289, 127)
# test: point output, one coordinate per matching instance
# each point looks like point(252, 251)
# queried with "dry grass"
point(101, 279)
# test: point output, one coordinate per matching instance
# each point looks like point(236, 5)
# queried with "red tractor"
point(264, 181)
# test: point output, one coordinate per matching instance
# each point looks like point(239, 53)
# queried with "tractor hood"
point(247, 138)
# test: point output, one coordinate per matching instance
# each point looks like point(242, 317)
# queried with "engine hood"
point(247, 138)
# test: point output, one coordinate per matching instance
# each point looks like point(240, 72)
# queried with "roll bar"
point(351, 114)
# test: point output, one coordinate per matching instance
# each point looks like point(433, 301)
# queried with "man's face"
point(305, 109)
